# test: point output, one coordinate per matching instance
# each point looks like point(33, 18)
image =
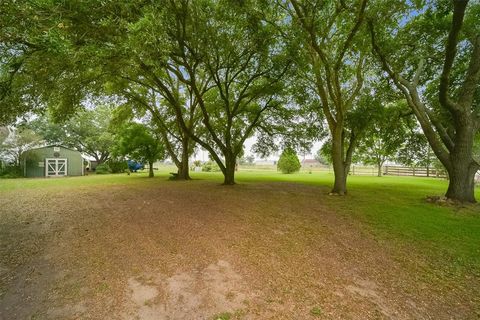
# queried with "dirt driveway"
point(197, 250)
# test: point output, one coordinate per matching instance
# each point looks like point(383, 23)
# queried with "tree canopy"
point(139, 143)
point(211, 74)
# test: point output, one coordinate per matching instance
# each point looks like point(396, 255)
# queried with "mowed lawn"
point(273, 246)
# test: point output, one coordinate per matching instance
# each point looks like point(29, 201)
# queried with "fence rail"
point(414, 171)
point(357, 170)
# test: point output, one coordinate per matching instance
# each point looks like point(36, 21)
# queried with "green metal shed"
point(52, 161)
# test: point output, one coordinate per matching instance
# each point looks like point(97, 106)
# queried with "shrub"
point(102, 168)
point(210, 166)
point(197, 163)
point(117, 165)
point(10, 171)
point(288, 162)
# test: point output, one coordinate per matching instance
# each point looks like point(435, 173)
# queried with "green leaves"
point(138, 142)
point(288, 161)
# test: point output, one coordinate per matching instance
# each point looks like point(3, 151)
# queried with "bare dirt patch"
point(186, 294)
point(197, 250)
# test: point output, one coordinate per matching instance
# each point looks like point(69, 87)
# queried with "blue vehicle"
point(134, 165)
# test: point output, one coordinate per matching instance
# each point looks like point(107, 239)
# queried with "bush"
point(197, 163)
point(102, 168)
point(11, 172)
point(288, 162)
point(117, 165)
point(210, 166)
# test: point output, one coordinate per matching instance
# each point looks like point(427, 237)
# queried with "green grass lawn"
point(393, 208)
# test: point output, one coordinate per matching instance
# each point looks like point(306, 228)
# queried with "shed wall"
point(35, 161)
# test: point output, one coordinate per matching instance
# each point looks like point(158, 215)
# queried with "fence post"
point(353, 170)
point(414, 171)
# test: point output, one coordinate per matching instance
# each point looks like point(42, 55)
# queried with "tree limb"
point(459, 7)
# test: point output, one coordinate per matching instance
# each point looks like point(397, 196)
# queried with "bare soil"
point(198, 250)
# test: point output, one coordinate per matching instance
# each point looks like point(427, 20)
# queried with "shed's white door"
point(56, 167)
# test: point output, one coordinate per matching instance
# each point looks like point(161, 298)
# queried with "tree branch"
point(351, 35)
point(459, 7)
point(472, 78)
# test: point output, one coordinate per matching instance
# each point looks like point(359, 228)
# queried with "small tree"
point(415, 151)
point(384, 136)
point(288, 162)
point(138, 142)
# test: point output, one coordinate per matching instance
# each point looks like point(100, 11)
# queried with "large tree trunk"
point(340, 184)
point(462, 167)
point(461, 186)
point(341, 160)
point(229, 174)
point(150, 169)
point(183, 166)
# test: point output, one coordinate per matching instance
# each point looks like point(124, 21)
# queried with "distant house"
point(310, 163)
point(52, 161)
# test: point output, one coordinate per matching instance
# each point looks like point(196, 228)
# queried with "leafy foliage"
point(11, 171)
point(19, 141)
point(117, 165)
point(102, 169)
point(137, 142)
point(210, 166)
point(415, 151)
point(322, 158)
point(215, 73)
point(88, 131)
point(385, 134)
point(288, 161)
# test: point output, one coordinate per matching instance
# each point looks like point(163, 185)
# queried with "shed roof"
point(53, 145)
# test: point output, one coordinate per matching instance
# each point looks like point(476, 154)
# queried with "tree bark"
point(229, 174)
point(380, 162)
point(462, 168)
point(150, 169)
point(183, 166)
point(461, 186)
point(340, 184)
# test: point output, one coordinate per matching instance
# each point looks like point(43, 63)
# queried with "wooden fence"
point(358, 170)
point(413, 171)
